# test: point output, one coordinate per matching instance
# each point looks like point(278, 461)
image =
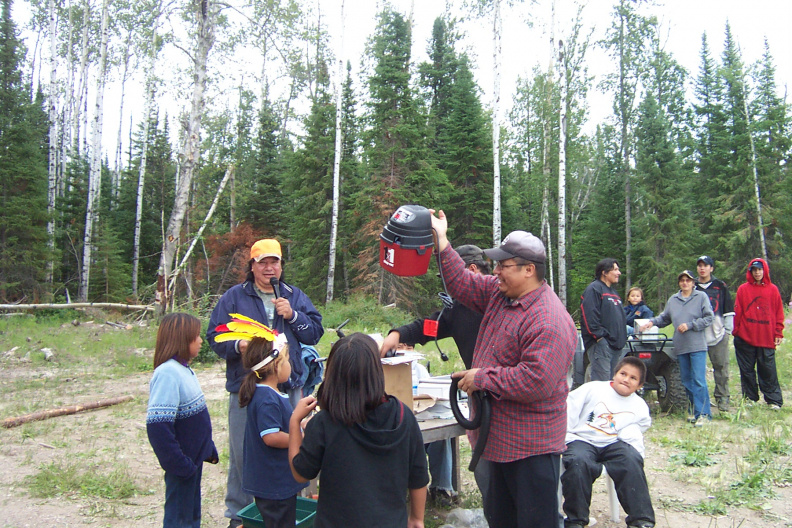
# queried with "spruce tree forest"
point(318, 152)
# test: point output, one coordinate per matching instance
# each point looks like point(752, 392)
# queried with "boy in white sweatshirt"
point(605, 425)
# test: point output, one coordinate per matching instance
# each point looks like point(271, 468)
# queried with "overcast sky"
point(524, 46)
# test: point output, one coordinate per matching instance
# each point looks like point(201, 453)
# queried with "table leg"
point(455, 472)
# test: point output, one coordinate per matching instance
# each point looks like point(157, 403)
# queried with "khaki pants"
point(719, 356)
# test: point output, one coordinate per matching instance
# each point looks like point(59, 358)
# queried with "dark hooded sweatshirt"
point(758, 310)
point(366, 468)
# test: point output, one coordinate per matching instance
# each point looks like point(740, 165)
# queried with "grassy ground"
point(98, 468)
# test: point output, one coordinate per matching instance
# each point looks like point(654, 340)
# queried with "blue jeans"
point(693, 371)
point(440, 464)
point(183, 500)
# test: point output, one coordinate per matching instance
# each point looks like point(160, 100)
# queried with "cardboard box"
point(398, 382)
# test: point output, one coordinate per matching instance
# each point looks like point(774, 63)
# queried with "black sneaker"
point(444, 498)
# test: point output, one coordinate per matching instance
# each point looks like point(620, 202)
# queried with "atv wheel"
point(671, 393)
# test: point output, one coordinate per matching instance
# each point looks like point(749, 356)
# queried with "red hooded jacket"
point(758, 310)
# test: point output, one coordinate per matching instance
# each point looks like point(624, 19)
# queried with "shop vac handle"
point(481, 411)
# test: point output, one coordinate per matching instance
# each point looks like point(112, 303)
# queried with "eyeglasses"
point(498, 265)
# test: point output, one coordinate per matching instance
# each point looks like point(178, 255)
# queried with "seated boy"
point(605, 425)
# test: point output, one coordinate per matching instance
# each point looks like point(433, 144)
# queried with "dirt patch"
point(114, 438)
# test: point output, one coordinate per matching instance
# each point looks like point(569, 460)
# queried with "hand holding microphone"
point(282, 306)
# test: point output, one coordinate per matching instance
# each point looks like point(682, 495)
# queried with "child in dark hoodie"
point(758, 329)
point(367, 445)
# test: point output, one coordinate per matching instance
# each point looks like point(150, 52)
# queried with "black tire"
point(671, 394)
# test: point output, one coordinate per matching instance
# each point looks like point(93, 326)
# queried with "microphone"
point(276, 286)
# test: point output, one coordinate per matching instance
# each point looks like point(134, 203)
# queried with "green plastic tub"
point(306, 511)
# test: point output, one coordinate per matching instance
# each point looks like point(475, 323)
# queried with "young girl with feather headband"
point(266, 474)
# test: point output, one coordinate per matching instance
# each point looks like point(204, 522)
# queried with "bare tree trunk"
point(149, 102)
point(562, 282)
point(73, 409)
point(206, 12)
point(52, 169)
point(497, 27)
point(228, 175)
point(755, 178)
point(336, 168)
point(95, 176)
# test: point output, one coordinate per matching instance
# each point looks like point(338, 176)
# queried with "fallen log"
point(117, 306)
point(71, 409)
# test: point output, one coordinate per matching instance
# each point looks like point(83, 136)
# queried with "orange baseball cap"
point(266, 247)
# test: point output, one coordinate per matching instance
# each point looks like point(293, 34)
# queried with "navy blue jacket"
point(637, 311)
point(242, 299)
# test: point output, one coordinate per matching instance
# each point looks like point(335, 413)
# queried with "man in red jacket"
point(758, 330)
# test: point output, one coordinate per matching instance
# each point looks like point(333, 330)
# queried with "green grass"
point(57, 480)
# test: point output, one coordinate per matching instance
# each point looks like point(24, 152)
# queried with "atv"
point(662, 369)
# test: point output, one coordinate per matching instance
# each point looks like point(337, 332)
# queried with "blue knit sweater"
point(177, 421)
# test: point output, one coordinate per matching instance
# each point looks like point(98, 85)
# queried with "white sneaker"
point(773, 406)
point(702, 420)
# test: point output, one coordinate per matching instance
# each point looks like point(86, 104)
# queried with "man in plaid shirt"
point(522, 355)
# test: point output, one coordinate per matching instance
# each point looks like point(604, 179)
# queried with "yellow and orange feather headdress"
point(243, 327)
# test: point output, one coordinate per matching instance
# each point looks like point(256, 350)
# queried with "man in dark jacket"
point(286, 310)
point(603, 324)
point(717, 333)
point(462, 324)
point(758, 330)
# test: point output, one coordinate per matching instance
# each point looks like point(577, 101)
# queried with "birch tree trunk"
point(562, 282)
point(68, 107)
point(497, 27)
point(95, 175)
point(206, 12)
point(83, 80)
point(52, 168)
point(229, 174)
point(757, 192)
point(336, 168)
point(546, 233)
point(119, 145)
point(150, 91)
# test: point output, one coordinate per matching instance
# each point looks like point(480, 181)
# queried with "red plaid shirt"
point(524, 350)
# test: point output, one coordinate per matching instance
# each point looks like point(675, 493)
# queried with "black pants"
point(523, 493)
point(583, 464)
point(754, 360)
point(278, 513)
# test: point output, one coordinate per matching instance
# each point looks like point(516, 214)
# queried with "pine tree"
point(461, 143)
point(735, 221)
point(398, 167)
point(310, 186)
point(662, 226)
point(711, 148)
point(262, 196)
point(772, 132)
point(23, 175)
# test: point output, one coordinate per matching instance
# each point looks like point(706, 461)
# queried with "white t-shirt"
point(600, 416)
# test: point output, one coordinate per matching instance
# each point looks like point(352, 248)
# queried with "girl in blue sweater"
point(177, 421)
point(266, 474)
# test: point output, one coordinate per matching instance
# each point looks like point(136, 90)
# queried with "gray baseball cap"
point(470, 253)
point(519, 244)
